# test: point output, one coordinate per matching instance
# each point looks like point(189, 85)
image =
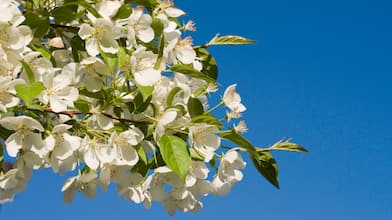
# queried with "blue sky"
point(319, 73)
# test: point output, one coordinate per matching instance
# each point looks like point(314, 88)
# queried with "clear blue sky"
point(321, 74)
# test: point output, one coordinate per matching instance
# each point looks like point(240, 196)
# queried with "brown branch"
point(5, 166)
point(64, 26)
point(72, 113)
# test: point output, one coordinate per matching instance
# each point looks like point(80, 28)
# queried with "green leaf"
point(64, 14)
point(288, 146)
point(29, 71)
point(195, 107)
point(208, 119)
point(5, 133)
point(89, 8)
point(110, 59)
point(139, 104)
point(209, 64)
point(39, 23)
point(77, 45)
point(230, 40)
point(97, 95)
point(157, 26)
point(36, 106)
point(146, 91)
point(172, 93)
point(123, 12)
point(190, 71)
point(82, 105)
point(161, 47)
point(122, 57)
point(195, 155)
point(43, 52)
point(267, 166)
point(238, 139)
point(36, 2)
point(142, 154)
point(27, 92)
point(175, 154)
point(142, 168)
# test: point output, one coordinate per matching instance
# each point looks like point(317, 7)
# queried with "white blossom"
point(58, 92)
point(85, 183)
point(233, 100)
point(124, 144)
point(24, 136)
point(101, 36)
point(203, 138)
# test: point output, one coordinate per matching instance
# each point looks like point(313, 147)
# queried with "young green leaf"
point(146, 91)
point(141, 153)
point(29, 71)
point(175, 154)
point(27, 92)
point(267, 166)
point(161, 47)
point(123, 12)
point(82, 105)
point(110, 59)
point(64, 14)
point(157, 26)
point(190, 71)
point(195, 107)
point(172, 93)
point(288, 146)
point(239, 140)
point(208, 119)
point(209, 64)
point(230, 40)
point(36, 2)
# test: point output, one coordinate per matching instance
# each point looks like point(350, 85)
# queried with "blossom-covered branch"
point(115, 92)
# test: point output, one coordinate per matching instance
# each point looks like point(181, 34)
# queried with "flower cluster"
point(115, 92)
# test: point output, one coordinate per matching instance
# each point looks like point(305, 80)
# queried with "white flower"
point(56, 42)
point(198, 170)
point(99, 119)
point(8, 10)
point(156, 182)
point(204, 140)
point(190, 26)
point(102, 36)
point(24, 136)
point(91, 70)
point(7, 92)
point(11, 37)
point(142, 66)
point(108, 8)
point(124, 144)
point(132, 189)
point(86, 183)
point(58, 92)
point(230, 115)
point(228, 173)
point(95, 152)
point(240, 127)
point(62, 145)
point(233, 100)
point(139, 25)
point(11, 182)
point(168, 117)
point(174, 12)
point(182, 50)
